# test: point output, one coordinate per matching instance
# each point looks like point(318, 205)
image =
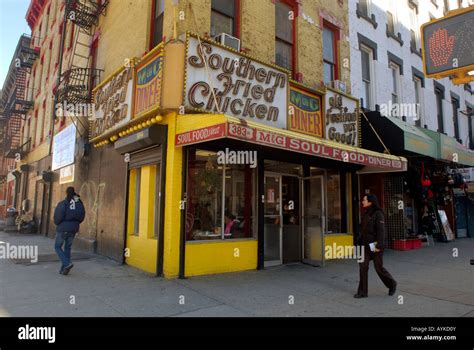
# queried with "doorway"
point(313, 220)
point(282, 219)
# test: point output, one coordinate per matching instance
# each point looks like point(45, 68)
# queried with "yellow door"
point(142, 231)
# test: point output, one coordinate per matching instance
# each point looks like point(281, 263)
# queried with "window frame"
point(293, 4)
point(439, 108)
point(153, 23)
point(395, 70)
point(235, 18)
point(370, 53)
point(336, 37)
point(470, 118)
point(222, 195)
point(136, 207)
point(456, 104)
point(417, 80)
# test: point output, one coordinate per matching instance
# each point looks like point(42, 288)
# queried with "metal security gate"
point(393, 204)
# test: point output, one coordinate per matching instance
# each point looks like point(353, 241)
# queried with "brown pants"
point(384, 275)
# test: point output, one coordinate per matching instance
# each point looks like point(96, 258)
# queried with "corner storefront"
point(232, 166)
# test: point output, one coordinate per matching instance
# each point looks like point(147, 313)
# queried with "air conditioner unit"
point(338, 85)
point(228, 40)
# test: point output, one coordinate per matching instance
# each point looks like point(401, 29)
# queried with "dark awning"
point(399, 137)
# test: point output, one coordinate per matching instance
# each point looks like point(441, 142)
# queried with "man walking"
point(68, 215)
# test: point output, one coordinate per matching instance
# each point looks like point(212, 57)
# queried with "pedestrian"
point(372, 237)
point(68, 215)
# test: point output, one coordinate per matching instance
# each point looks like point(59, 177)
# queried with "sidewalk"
point(431, 282)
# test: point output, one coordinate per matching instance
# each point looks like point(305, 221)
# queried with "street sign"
point(448, 44)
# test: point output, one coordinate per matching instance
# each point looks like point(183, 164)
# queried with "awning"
point(398, 136)
point(198, 128)
point(450, 150)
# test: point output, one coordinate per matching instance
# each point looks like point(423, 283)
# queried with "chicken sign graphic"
point(448, 44)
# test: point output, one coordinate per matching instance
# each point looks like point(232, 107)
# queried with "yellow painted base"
point(337, 240)
point(208, 258)
point(143, 253)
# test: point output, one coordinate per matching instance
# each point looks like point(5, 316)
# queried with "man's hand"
point(377, 250)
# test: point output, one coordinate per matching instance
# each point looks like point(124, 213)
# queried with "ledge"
point(397, 37)
point(370, 19)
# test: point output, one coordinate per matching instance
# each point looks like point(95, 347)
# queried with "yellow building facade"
point(181, 87)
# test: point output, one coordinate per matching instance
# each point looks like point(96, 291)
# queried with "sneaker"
point(358, 296)
point(392, 290)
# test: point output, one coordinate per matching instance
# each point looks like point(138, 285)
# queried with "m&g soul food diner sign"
point(304, 114)
point(244, 88)
point(342, 118)
point(112, 103)
point(148, 83)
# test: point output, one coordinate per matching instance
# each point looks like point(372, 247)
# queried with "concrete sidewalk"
point(431, 282)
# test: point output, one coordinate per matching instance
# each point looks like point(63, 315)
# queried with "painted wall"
point(204, 258)
point(258, 31)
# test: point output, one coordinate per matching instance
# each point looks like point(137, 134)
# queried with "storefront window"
point(334, 216)
point(239, 199)
point(220, 199)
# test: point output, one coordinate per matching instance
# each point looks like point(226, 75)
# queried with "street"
point(431, 283)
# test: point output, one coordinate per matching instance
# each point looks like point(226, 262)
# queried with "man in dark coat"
point(68, 215)
point(372, 237)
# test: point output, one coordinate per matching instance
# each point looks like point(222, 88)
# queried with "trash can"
point(12, 213)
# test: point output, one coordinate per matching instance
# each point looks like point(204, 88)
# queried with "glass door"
point(272, 220)
point(313, 221)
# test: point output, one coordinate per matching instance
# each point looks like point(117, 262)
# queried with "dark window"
point(284, 35)
point(455, 104)
point(413, 40)
point(329, 54)
point(157, 22)
point(470, 119)
point(364, 8)
point(439, 106)
point(390, 23)
point(223, 17)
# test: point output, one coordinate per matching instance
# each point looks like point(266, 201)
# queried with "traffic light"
point(448, 45)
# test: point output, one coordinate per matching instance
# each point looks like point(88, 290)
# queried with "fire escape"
point(16, 100)
point(80, 77)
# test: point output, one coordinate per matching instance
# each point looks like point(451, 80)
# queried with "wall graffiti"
point(92, 196)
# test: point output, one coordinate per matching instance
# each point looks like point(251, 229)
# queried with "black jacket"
point(68, 215)
point(372, 228)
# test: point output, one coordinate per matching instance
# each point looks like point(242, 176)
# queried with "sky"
point(12, 26)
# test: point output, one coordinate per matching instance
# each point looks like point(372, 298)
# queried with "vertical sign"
point(148, 83)
point(305, 112)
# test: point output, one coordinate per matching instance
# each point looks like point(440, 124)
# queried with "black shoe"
point(67, 269)
point(358, 296)
point(392, 290)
